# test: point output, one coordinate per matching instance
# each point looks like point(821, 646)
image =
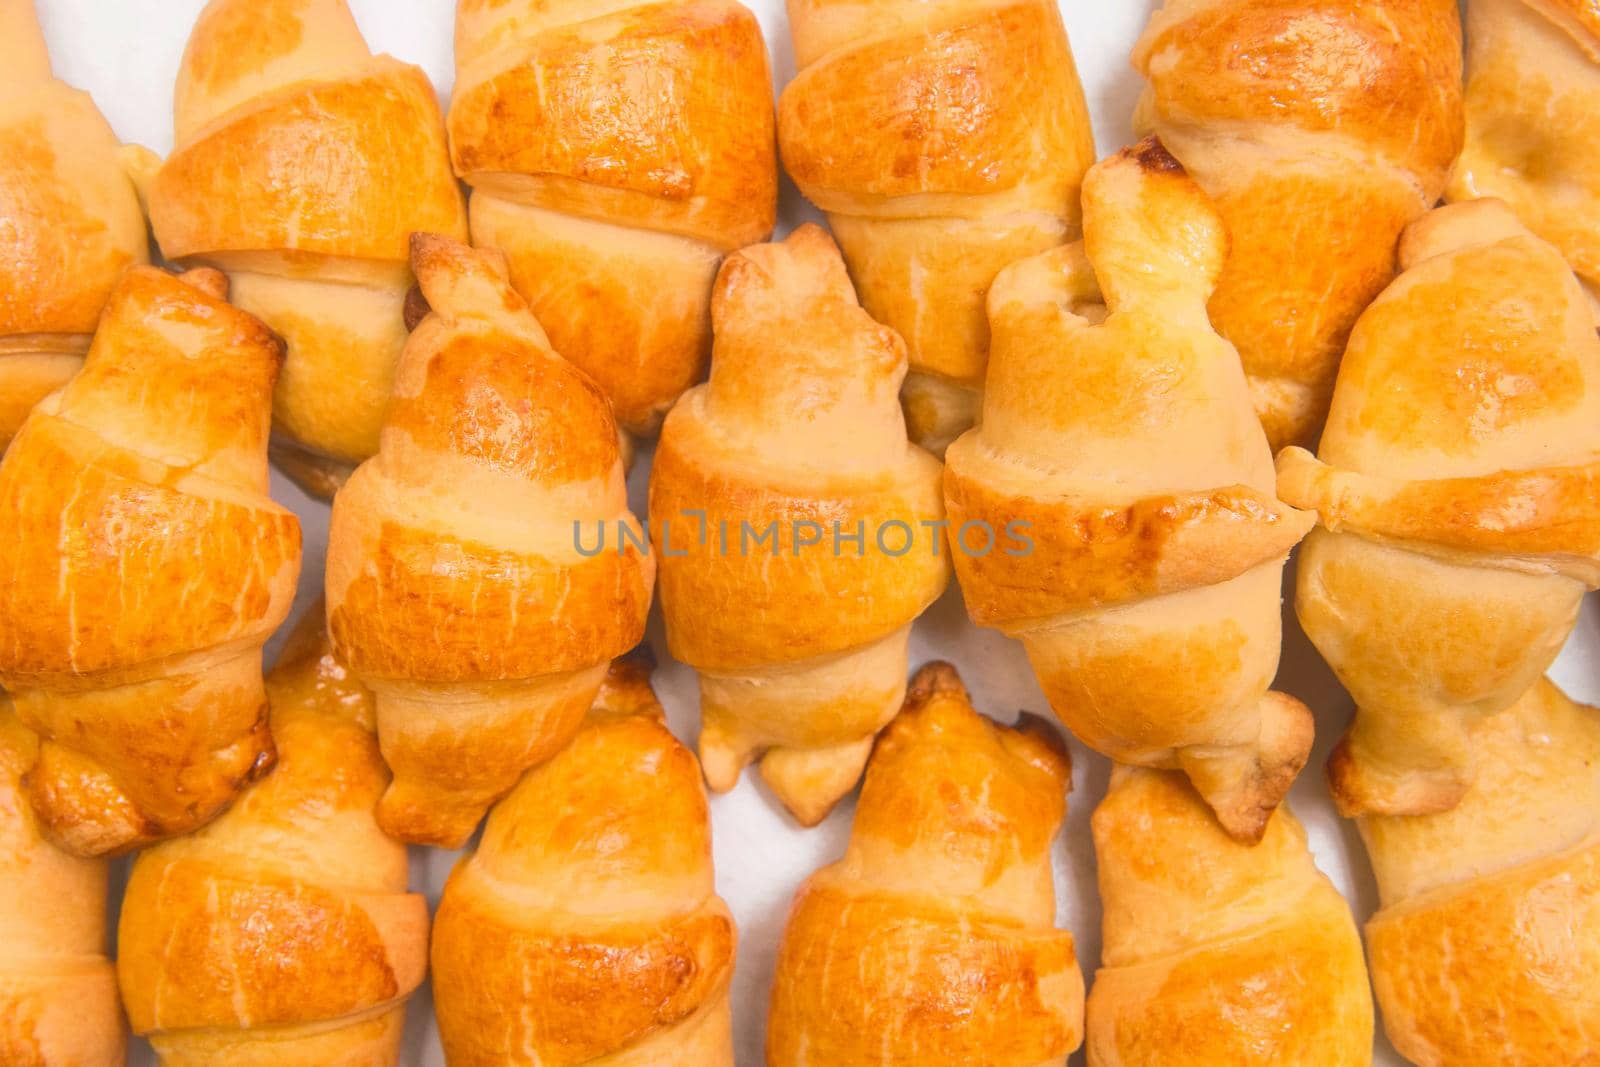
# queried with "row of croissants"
point(1101, 358)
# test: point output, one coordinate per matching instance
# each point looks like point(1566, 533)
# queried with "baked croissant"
point(58, 992)
point(1533, 120)
point(1486, 950)
point(1217, 952)
point(70, 222)
point(586, 929)
point(144, 567)
point(763, 475)
point(1456, 487)
point(458, 585)
point(616, 152)
point(282, 935)
point(303, 164)
point(944, 141)
point(933, 941)
point(1321, 128)
point(1142, 548)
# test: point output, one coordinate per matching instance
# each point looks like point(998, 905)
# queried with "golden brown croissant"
point(1533, 120)
point(303, 165)
point(58, 992)
point(456, 585)
point(616, 152)
point(1141, 547)
point(144, 567)
point(1321, 127)
point(1487, 948)
point(796, 444)
point(944, 140)
point(1456, 485)
point(933, 941)
point(282, 935)
point(586, 928)
point(1218, 952)
point(70, 222)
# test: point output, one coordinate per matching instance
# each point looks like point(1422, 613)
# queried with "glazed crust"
point(585, 928)
point(1119, 451)
point(613, 202)
point(1321, 129)
point(980, 139)
point(797, 435)
point(148, 567)
point(456, 584)
point(932, 941)
point(282, 933)
point(1457, 509)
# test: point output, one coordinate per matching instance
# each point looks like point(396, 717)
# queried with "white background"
point(126, 52)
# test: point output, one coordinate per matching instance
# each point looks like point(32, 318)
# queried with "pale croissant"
point(1321, 128)
point(586, 929)
point(1217, 952)
point(58, 992)
point(1533, 121)
point(933, 941)
point(1456, 484)
point(1486, 950)
point(457, 587)
point(282, 935)
point(1144, 547)
point(616, 151)
point(303, 164)
point(944, 141)
point(144, 567)
point(763, 476)
point(70, 221)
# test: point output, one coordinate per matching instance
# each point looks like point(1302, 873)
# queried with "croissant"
point(586, 929)
point(144, 567)
point(616, 152)
point(58, 992)
point(944, 141)
point(798, 531)
point(70, 222)
point(1217, 952)
point(458, 586)
point(1321, 127)
point(1486, 949)
point(1140, 548)
point(1460, 525)
point(303, 164)
point(1533, 121)
point(282, 934)
point(932, 942)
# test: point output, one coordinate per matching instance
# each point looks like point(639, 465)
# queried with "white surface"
point(126, 53)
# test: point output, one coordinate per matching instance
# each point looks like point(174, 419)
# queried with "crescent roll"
point(1533, 121)
point(282, 935)
point(616, 151)
point(586, 929)
point(1456, 485)
point(70, 221)
point(1142, 549)
point(933, 941)
point(1486, 950)
point(144, 567)
point(798, 531)
point(303, 165)
point(58, 992)
point(944, 140)
point(1321, 128)
point(1217, 952)
point(457, 588)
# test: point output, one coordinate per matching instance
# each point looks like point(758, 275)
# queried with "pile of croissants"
point(1107, 398)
